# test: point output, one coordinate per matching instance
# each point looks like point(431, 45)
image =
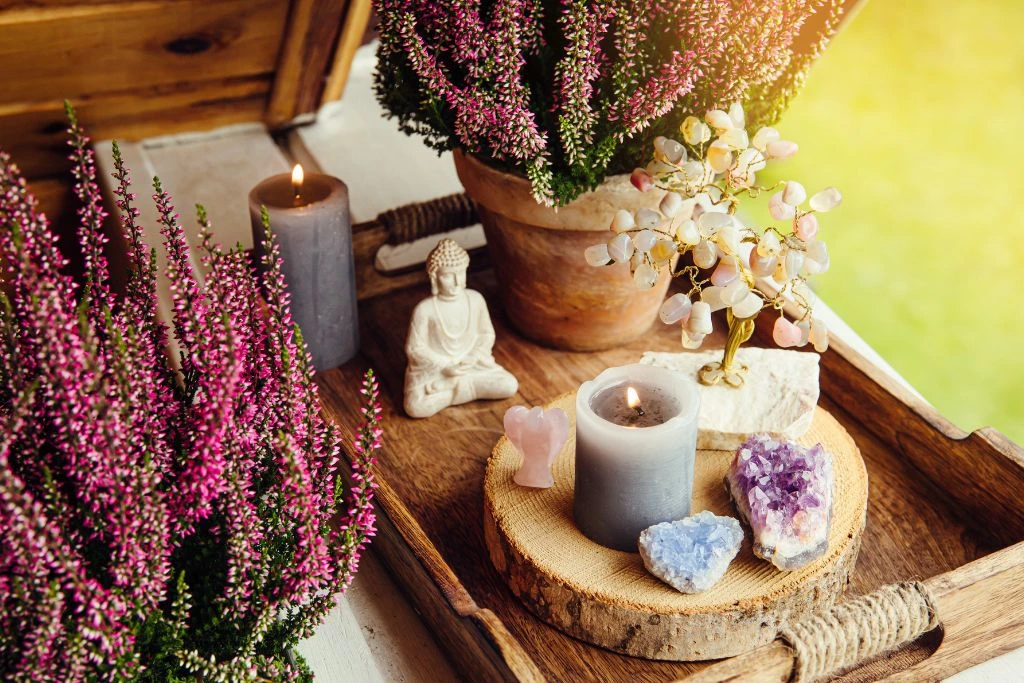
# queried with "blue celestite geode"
point(691, 554)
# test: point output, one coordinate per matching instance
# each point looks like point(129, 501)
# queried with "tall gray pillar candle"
point(636, 440)
point(310, 220)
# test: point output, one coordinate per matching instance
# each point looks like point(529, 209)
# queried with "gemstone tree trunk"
point(728, 370)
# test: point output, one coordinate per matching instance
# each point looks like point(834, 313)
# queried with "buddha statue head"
point(446, 266)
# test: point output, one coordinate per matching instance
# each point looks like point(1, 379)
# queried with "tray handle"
point(851, 633)
point(981, 614)
point(859, 630)
point(410, 222)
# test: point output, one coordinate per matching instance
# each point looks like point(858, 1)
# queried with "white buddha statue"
point(450, 341)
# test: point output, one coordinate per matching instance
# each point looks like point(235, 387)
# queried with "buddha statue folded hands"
point(450, 341)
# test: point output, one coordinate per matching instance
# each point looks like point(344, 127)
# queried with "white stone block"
point(778, 397)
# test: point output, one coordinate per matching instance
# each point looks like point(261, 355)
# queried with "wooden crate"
point(137, 69)
point(944, 506)
point(142, 68)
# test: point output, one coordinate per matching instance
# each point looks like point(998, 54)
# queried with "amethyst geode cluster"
point(784, 492)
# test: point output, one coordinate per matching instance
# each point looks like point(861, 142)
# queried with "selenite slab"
point(778, 397)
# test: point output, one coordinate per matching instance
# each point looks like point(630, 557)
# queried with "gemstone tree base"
point(778, 395)
point(606, 597)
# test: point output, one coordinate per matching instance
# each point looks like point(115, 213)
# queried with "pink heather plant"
point(566, 92)
point(161, 524)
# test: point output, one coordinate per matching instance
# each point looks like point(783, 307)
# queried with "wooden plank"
point(397, 637)
point(57, 200)
point(313, 28)
point(66, 52)
point(437, 470)
point(475, 639)
point(357, 18)
point(982, 611)
point(6, 5)
point(35, 133)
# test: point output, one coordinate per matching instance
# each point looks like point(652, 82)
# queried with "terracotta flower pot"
point(549, 291)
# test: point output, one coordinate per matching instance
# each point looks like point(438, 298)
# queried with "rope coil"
point(858, 630)
point(412, 221)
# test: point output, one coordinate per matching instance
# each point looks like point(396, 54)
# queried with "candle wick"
point(639, 411)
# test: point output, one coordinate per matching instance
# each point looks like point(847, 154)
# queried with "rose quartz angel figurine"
point(538, 435)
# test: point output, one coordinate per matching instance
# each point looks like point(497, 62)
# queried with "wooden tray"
point(944, 506)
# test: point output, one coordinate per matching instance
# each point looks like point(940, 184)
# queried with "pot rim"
point(510, 195)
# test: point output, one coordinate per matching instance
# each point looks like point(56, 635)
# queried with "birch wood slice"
point(607, 597)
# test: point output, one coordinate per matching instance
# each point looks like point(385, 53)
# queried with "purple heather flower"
point(117, 466)
point(551, 89)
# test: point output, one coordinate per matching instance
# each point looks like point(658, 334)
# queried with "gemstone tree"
point(734, 267)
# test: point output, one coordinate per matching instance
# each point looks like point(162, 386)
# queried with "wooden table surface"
point(374, 635)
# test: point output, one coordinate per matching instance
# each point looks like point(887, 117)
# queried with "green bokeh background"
point(916, 112)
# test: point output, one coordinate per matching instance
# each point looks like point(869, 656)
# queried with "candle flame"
point(632, 398)
point(297, 176)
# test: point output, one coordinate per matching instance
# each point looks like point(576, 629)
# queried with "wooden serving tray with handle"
point(945, 507)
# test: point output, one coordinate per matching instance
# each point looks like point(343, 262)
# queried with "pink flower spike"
point(111, 452)
point(487, 78)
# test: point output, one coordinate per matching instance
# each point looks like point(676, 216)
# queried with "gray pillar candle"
point(310, 220)
point(634, 458)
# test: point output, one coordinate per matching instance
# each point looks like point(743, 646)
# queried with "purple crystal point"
point(784, 492)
